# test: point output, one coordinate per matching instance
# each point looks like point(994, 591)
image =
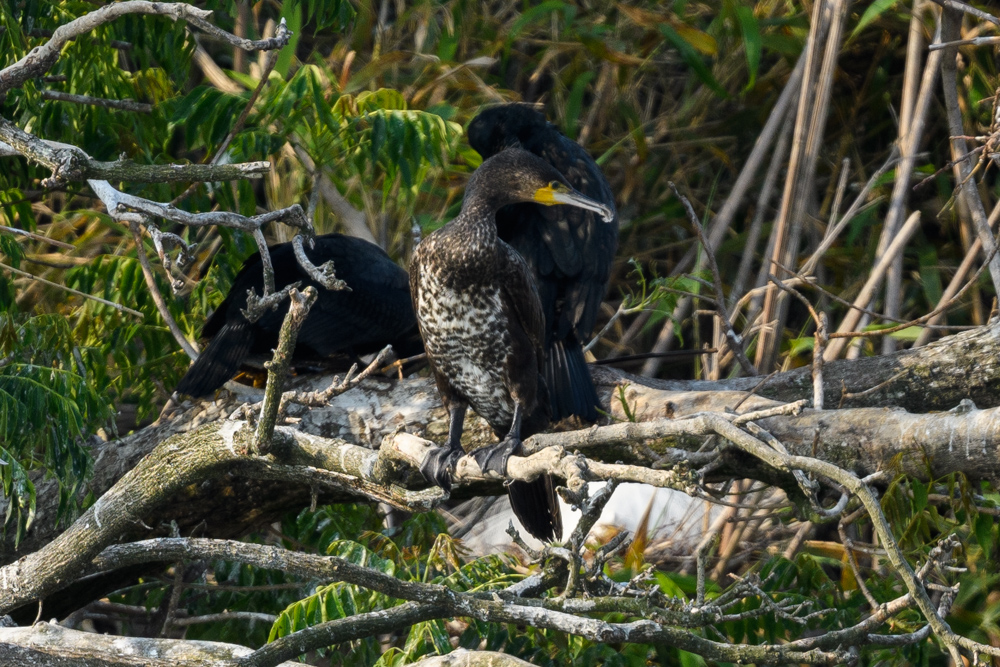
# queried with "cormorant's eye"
point(555, 185)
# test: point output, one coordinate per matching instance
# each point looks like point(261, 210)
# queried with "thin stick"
point(735, 343)
point(821, 338)
point(874, 280)
point(968, 9)
point(123, 105)
point(977, 41)
point(973, 210)
point(37, 237)
point(114, 305)
point(763, 201)
point(910, 134)
point(190, 348)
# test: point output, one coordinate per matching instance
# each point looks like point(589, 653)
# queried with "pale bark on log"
point(860, 441)
point(936, 377)
point(50, 645)
point(464, 658)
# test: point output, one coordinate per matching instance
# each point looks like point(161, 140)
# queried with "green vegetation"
point(375, 97)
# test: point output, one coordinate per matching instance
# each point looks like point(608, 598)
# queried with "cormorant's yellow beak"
point(557, 193)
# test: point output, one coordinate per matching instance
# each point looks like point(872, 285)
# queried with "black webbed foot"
point(437, 466)
point(493, 458)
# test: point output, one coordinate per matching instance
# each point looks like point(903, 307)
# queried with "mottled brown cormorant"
point(569, 250)
point(377, 311)
point(483, 328)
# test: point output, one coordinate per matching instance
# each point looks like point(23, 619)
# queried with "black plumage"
point(377, 311)
point(482, 324)
point(570, 250)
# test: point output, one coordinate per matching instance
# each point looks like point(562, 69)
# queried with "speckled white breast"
point(465, 333)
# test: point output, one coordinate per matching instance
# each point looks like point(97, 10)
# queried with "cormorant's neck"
point(480, 210)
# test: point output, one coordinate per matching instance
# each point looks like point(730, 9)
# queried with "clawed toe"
point(493, 458)
point(436, 468)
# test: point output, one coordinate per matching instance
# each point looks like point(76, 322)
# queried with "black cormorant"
point(377, 311)
point(569, 250)
point(483, 328)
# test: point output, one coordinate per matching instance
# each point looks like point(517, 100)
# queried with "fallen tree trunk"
point(54, 646)
point(179, 474)
point(936, 377)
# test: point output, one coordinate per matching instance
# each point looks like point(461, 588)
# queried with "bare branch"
point(124, 105)
point(277, 367)
point(37, 237)
point(190, 348)
point(968, 9)
point(41, 58)
point(116, 306)
point(49, 644)
point(70, 163)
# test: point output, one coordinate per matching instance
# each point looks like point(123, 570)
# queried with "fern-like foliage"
point(48, 406)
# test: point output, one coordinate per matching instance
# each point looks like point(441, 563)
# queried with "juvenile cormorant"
point(377, 311)
point(483, 328)
point(569, 250)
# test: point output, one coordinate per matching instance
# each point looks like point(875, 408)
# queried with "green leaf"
point(668, 586)
point(752, 42)
point(874, 10)
point(984, 531)
point(536, 13)
point(291, 11)
point(361, 555)
point(919, 495)
point(693, 59)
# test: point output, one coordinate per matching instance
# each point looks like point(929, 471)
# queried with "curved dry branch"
point(862, 441)
point(55, 646)
point(43, 57)
point(70, 163)
point(664, 620)
point(381, 475)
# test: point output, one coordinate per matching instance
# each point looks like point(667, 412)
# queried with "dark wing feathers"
point(376, 311)
point(570, 251)
point(219, 361)
point(521, 297)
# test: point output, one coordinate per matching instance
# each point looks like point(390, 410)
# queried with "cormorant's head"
point(514, 175)
point(503, 126)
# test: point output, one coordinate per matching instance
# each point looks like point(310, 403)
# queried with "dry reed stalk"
point(875, 278)
point(814, 106)
point(722, 222)
point(913, 120)
point(763, 202)
point(968, 192)
point(732, 536)
point(956, 281)
point(907, 145)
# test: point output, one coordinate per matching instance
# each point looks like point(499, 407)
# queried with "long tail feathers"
point(219, 361)
point(571, 391)
point(536, 506)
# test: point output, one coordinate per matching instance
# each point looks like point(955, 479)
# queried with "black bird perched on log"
point(569, 250)
point(483, 328)
point(377, 311)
